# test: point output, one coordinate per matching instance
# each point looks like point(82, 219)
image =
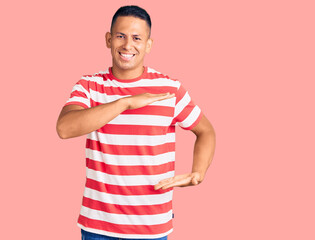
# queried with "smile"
point(126, 56)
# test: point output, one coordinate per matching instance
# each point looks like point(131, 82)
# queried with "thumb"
point(194, 180)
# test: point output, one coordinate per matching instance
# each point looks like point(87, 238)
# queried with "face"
point(129, 42)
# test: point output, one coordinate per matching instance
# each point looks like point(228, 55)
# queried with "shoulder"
point(154, 74)
point(97, 77)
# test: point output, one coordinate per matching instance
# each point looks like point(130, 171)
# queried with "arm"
point(75, 120)
point(204, 147)
point(203, 155)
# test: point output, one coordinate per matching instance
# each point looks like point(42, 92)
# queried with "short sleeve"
point(187, 114)
point(80, 94)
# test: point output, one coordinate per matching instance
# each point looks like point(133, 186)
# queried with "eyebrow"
point(125, 34)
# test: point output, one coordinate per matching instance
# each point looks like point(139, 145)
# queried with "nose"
point(128, 43)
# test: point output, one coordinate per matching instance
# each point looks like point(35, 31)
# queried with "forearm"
point(79, 122)
point(203, 153)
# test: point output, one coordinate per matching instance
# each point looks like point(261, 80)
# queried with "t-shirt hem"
point(77, 103)
point(128, 236)
point(195, 123)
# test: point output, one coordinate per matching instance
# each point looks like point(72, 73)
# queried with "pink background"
point(249, 65)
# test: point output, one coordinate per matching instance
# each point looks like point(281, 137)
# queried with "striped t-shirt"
point(130, 154)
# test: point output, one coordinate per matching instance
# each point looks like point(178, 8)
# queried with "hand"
point(184, 180)
point(143, 99)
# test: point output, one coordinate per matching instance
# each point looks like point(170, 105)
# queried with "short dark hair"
point(134, 11)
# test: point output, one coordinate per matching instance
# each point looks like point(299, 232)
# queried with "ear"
point(108, 39)
point(149, 45)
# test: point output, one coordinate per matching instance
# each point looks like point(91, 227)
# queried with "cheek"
point(115, 44)
point(141, 48)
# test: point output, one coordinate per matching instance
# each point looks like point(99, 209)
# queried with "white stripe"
point(133, 140)
point(104, 98)
point(141, 119)
point(126, 219)
point(134, 200)
point(79, 99)
point(133, 180)
point(80, 88)
point(182, 104)
point(120, 235)
point(192, 117)
point(130, 160)
point(97, 79)
point(158, 82)
point(103, 71)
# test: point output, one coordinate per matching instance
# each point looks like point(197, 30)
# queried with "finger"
point(171, 95)
point(162, 183)
point(171, 180)
point(163, 96)
point(178, 183)
point(159, 94)
point(159, 186)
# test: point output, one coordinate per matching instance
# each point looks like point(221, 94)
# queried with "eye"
point(120, 36)
point(136, 38)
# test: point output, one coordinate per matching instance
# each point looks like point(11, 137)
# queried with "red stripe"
point(76, 103)
point(184, 113)
point(130, 170)
point(130, 149)
point(77, 93)
point(152, 110)
point(110, 90)
point(136, 129)
point(148, 75)
point(146, 110)
point(84, 83)
point(125, 229)
point(90, 84)
point(126, 209)
point(151, 75)
point(180, 93)
point(124, 190)
point(135, 90)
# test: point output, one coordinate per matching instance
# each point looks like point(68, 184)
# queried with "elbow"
point(213, 133)
point(61, 131)
point(209, 132)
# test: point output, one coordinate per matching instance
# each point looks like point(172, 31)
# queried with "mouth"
point(126, 56)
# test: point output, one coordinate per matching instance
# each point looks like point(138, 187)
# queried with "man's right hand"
point(143, 99)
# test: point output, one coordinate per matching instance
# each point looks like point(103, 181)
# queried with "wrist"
point(124, 102)
point(199, 175)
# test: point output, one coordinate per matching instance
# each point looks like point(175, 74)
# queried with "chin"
point(124, 66)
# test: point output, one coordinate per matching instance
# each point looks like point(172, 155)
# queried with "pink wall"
point(249, 65)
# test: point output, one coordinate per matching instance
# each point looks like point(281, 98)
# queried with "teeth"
point(126, 55)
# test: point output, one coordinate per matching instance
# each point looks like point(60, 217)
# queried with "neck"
point(127, 74)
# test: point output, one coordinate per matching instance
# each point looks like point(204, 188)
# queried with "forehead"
point(130, 25)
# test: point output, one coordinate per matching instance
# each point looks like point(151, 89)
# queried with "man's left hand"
point(184, 180)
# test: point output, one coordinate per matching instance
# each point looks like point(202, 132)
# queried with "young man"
point(129, 113)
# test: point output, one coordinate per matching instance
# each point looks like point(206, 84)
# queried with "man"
point(130, 112)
